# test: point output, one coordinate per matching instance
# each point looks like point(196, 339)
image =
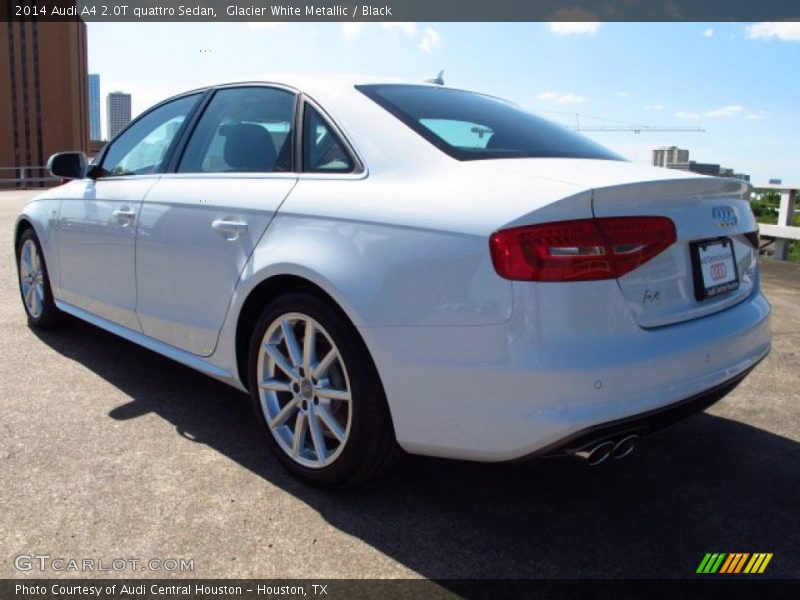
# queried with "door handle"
point(124, 213)
point(230, 228)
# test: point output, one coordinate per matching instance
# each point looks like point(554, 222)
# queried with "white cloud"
point(726, 111)
point(755, 116)
point(430, 40)
point(708, 32)
point(732, 110)
point(623, 94)
point(785, 31)
point(353, 28)
point(408, 28)
point(654, 107)
point(574, 21)
point(574, 27)
point(562, 97)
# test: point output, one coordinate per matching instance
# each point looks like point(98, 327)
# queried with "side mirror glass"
point(68, 165)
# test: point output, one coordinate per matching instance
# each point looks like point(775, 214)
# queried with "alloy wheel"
point(304, 390)
point(31, 277)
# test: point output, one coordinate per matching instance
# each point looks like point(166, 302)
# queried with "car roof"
point(313, 83)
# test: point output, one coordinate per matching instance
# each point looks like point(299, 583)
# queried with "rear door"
point(200, 224)
point(98, 216)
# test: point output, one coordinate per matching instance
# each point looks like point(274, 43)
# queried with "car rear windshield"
point(470, 126)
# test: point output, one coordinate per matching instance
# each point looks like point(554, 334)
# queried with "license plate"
point(714, 264)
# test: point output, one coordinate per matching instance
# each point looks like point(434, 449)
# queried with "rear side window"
point(470, 126)
point(323, 151)
point(243, 130)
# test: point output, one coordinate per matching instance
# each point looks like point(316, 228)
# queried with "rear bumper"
point(561, 371)
point(642, 424)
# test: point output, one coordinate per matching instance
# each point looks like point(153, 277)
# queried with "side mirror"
point(68, 165)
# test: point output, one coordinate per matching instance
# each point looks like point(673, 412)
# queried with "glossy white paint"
point(567, 360)
point(96, 239)
point(474, 366)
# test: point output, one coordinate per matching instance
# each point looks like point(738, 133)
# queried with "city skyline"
point(727, 78)
point(673, 157)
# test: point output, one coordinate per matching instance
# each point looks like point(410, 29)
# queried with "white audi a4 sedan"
point(391, 267)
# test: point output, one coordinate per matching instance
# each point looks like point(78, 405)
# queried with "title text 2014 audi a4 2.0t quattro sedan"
point(390, 266)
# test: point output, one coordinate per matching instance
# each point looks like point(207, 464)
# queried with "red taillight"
point(579, 250)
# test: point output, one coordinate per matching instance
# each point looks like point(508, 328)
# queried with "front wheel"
point(34, 282)
point(317, 394)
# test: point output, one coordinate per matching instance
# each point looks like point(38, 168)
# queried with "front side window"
point(470, 126)
point(142, 147)
point(323, 151)
point(243, 130)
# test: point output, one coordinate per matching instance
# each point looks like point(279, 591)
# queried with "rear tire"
point(34, 282)
point(317, 394)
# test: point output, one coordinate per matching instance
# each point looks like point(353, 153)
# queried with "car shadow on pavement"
point(708, 484)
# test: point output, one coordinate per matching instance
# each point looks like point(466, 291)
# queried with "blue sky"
point(738, 81)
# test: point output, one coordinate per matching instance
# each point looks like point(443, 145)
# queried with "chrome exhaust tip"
point(625, 446)
point(594, 455)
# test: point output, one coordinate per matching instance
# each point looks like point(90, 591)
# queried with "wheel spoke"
point(318, 439)
point(331, 394)
point(284, 414)
point(37, 303)
point(280, 360)
point(26, 257)
point(299, 434)
point(36, 264)
point(24, 268)
point(29, 296)
point(325, 364)
point(276, 385)
point(309, 346)
point(291, 343)
point(330, 422)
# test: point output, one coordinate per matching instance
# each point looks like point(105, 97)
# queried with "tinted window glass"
point(323, 151)
point(243, 130)
point(470, 126)
point(141, 148)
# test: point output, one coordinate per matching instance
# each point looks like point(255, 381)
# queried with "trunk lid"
point(714, 227)
point(669, 288)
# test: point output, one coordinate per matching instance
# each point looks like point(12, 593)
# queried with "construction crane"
point(640, 128)
point(623, 126)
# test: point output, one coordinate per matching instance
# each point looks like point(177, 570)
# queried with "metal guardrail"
point(785, 231)
point(25, 177)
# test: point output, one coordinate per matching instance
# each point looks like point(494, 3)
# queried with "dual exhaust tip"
point(599, 453)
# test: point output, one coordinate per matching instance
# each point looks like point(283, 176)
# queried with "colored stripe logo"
point(734, 563)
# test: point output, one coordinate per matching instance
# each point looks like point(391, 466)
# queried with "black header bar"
point(399, 10)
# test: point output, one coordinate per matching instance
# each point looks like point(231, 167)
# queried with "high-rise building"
point(43, 91)
point(669, 155)
point(118, 112)
point(94, 107)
